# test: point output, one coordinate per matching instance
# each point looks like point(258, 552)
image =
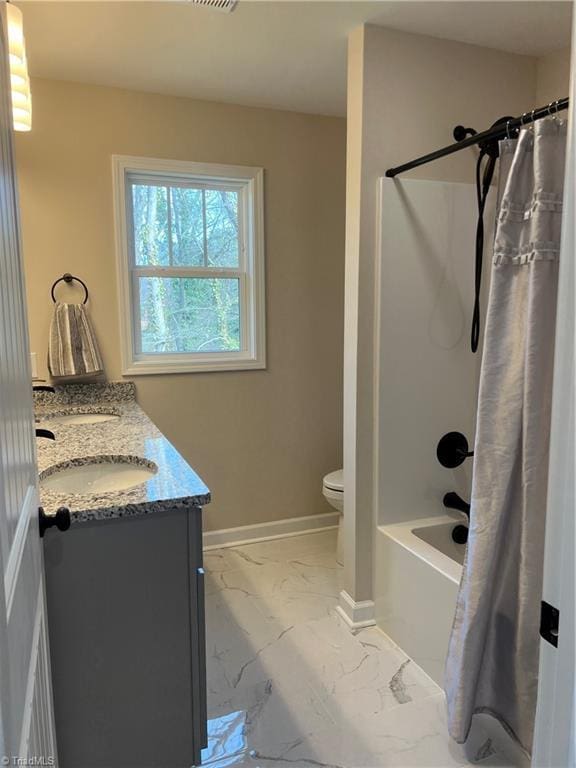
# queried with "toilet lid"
point(335, 480)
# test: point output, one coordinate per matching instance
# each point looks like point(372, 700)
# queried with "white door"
point(555, 733)
point(26, 718)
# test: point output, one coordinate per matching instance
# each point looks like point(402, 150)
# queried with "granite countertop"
point(131, 438)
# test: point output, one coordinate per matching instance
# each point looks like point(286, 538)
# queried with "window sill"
point(148, 368)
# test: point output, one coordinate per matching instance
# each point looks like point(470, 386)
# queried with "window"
point(190, 256)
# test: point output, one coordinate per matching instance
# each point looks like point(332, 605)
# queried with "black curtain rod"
point(495, 133)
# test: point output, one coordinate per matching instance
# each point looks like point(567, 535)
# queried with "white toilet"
point(333, 490)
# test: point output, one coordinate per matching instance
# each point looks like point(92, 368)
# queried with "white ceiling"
point(289, 55)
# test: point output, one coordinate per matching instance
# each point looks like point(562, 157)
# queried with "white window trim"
point(253, 356)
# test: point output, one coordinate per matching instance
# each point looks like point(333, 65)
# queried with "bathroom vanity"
point(125, 593)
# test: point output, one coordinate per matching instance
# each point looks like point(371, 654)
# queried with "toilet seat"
point(336, 498)
point(334, 481)
point(333, 490)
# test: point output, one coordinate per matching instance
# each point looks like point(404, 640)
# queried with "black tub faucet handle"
point(452, 450)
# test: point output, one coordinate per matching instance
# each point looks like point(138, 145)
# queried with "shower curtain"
point(492, 664)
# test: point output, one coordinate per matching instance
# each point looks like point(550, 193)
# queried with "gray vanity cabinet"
point(127, 644)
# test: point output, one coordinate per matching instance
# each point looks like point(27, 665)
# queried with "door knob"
point(61, 520)
point(45, 433)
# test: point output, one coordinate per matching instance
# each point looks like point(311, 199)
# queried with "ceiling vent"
point(227, 6)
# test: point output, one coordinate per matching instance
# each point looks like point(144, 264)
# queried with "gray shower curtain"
point(492, 664)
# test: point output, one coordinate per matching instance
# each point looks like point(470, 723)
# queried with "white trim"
point(250, 183)
point(31, 677)
point(170, 365)
point(376, 353)
point(555, 726)
point(357, 615)
point(17, 548)
point(36, 705)
point(275, 529)
point(184, 168)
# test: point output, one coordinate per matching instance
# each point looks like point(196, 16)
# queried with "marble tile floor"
point(290, 685)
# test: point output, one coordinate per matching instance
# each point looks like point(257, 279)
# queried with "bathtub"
point(417, 573)
point(418, 570)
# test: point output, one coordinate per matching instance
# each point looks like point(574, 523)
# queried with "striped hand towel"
point(72, 347)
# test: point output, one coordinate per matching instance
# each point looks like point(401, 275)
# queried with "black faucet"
point(45, 433)
point(453, 501)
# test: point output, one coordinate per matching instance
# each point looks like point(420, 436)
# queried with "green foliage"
point(187, 227)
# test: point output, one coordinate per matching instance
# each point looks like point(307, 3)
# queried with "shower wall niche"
point(427, 376)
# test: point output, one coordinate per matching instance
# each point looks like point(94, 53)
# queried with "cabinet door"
point(197, 635)
point(120, 639)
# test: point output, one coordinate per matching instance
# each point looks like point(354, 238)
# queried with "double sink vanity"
point(124, 583)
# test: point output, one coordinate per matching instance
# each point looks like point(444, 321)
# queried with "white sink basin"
point(72, 417)
point(97, 475)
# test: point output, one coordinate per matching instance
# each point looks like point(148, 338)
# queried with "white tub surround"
point(427, 378)
point(418, 570)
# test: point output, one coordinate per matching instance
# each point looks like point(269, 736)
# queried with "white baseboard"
point(357, 615)
point(277, 529)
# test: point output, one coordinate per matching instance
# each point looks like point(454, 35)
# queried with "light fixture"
point(19, 79)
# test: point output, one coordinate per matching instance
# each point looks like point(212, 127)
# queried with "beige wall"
point(262, 440)
point(553, 77)
point(406, 93)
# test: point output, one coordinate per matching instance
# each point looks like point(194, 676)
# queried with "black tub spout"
point(453, 501)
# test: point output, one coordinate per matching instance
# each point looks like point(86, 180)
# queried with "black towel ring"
point(67, 278)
